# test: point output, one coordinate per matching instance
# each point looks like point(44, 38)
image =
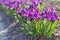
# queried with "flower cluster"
point(17, 3)
point(10, 3)
point(50, 14)
point(33, 13)
point(29, 8)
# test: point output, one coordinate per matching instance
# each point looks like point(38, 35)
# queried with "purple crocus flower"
point(26, 14)
point(51, 9)
point(11, 6)
point(48, 16)
point(55, 16)
point(30, 15)
point(21, 11)
point(43, 13)
point(4, 2)
point(51, 15)
point(36, 15)
point(37, 1)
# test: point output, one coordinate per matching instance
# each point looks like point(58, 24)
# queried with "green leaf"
point(52, 28)
point(41, 7)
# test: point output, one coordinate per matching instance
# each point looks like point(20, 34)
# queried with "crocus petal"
point(11, 6)
point(48, 16)
point(51, 9)
point(55, 16)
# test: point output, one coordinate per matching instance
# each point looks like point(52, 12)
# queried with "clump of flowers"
point(36, 19)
